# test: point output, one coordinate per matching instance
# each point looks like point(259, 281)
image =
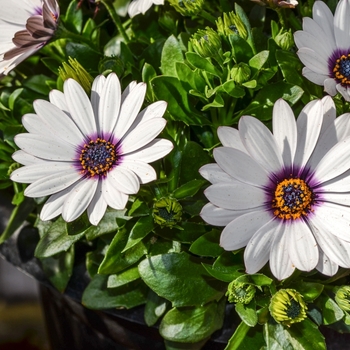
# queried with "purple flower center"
point(98, 157)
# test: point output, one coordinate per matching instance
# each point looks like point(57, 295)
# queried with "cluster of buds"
point(187, 7)
point(229, 24)
point(206, 43)
point(277, 3)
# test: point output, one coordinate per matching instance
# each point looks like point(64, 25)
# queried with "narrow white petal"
point(260, 144)
point(144, 171)
point(31, 173)
point(330, 86)
point(154, 110)
point(46, 147)
point(142, 135)
point(335, 162)
point(241, 166)
point(96, 91)
point(309, 125)
point(218, 216)
point(109, 104)
point(79, 107)
point(302, 246)
point(284, 130)
point(33, 124)
point(129, 110)
point(52, 184)
point(123, 180)
point(214, 174)
point(235, 196)
point(257, 252)
point(323, 16)
point(342, 25)
point(229, 137)
point(280, 263)
point(338, 184)
point(25, 158)
point(325, 265)
point(238, 232)
point(97, 207)
point(316, 78)
point(57, 98)
point(156, 149)
point(344, 91)
point(114, 198)
point(312, 61)
point(79, 199)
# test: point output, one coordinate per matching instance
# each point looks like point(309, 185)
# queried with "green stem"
point(63, 33)
point(116, 19)
point(281, 17)
point(208, 16)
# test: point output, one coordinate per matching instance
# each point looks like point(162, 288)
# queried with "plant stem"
point(208, 16)
point(115, 19)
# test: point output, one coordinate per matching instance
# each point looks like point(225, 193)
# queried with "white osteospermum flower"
point(324, 48)
point(284, 196)
point(141, 6)
point(88, 154)
point(25, 27)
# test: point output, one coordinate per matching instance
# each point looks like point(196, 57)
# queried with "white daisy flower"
point(324, 48)
point(141, 6)
point(25, 27)
point(88, 154)
point(284, 196)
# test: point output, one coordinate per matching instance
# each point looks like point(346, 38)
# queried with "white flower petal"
point(114, 198)
point(156, 149)
point(284, 130)
point(229, 137)
point(323, 16)
point(316, 78)
point(123, 180)
point(214, 174)
point(330, 86)
point(257, 252)
point(260, 144)
point(240, 166)
point(57, 98)
point(239, 231)
point(325, 265)
point(280, 263)
point(25, 158)
point(312, 61)
point(302, 246)
point(109, 104)
point(80, 107)
point(218, 216)
point(342, 25)
point(97, 207)
point(338, 184)
point(52, 184)
point(235, 196)
point(45, 147)
point(344, 91)
point(144, 171)
point(96, 91)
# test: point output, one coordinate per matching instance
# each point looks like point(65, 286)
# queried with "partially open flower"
point(25, 27)
point(187, 7)
point(167, 212)
point(239, 292)
point(142, 6)
point(342, 297)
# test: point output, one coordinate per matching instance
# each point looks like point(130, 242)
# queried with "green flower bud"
point(287, 306)
point(238, 292)
point(229, 24)
point(187, 7)
point(207, 43)
point(167, 212)
point(73, 69)
point(284, 39)
point(12, 168)
point(240, 73)
point(342, 297)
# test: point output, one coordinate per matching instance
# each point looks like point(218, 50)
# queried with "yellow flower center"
point(98, 157)
point(341, 69)
point(293, 199)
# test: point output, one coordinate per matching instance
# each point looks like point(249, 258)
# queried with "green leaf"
point(290, 66)
point(59, 268)
point(86, 56)
point(123, 277)
point(139, 208)
point(191, 325)
point(74, 17)
point(330, 310)
point(241, 50)
point(207, 245)
point(256, 279)
point(98, 296)
point(37, 83)
point(140, 230)
point(179, 106)
point(171, 54)
point(155, 307)
point(189, 189)
point(247, 313)
point(190, 79)
point(309, 290)
point(246, 338)
point(13, 97)
point(232, 89)
point(258, 61)
point(202, 64)
point(56, 240)
point(181, 279)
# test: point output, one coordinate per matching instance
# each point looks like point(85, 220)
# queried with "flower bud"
point(342, 297)
point(206, 43)
point(240, 73)
point(287, 306)
point(167, 212)
point(229, 24)
point(187, 7)
point(239, 292)
point(284, 39)
point(73, 69)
